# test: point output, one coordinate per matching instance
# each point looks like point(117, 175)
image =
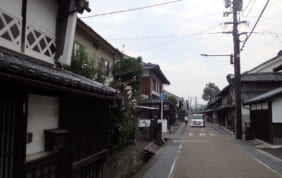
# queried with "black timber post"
point(236, 41)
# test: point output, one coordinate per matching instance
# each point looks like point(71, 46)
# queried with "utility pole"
point(237, 72)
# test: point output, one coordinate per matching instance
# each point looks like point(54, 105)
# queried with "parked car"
point(197, 120)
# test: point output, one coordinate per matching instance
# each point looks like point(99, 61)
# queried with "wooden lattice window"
point(40, 42)
point(10, 30)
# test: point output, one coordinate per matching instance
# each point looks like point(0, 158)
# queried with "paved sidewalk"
point(160, 165)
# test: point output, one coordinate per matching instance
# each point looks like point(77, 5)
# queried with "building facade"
point(104, 54)
point(48, 125)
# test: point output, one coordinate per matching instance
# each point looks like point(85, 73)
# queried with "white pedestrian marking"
point(211, 134)
point(190, 141)
point(202, 134)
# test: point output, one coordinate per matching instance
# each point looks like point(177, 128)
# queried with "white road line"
point(173, 164)
point(270, 155)
point(202, 134)
point(191, 134)
point(259, 161)
point(172, 168)
point(180, 147)
point(211, 134)
point(190, 141)
point(266, 165)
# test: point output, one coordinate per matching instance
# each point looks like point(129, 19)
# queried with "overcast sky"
point(174, 36)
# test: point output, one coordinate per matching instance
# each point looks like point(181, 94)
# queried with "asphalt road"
point(208, 153)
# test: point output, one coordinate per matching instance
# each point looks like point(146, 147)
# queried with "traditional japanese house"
point(153, 80)
point(258, 80)
point(252, 85)
point(152, 83)
point(178, 106)
point(147, 115)
point(221, 110)
point(53, 123)
point(265, 116)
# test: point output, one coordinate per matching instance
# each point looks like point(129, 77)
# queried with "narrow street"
point(211, 152)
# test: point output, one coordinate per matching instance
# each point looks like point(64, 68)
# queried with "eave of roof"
point(152, 101)
point(24, 68)
point(264, 97)
point(156, 68)
point(262, 77)
point(224, 90)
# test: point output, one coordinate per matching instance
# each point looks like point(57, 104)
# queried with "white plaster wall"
point(42, 14)
point(147, 123)
point(277, 110)
point(245, 118)
point(102, 52)
point(68, 44)
point(12, 6)
point(43, 113)
point(164, 125)
point(268, 66)
point(245, 115)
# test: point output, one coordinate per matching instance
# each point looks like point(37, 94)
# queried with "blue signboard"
point(162, 96)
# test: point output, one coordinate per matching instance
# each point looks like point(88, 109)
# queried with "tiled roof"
point(264, 97)
point(156, 68)
point(152, 101)
point(24, 66)
point(262, 77)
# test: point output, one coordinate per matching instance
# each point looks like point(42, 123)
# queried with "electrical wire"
point(182, 38)
point(178, 39)
point(164, 36)
point(251, 8)
point(247, 5)
point(133, 9)
point(260, 15)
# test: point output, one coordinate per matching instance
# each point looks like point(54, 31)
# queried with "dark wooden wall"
point(12, 131)
point(87, 122)
point(261, 124)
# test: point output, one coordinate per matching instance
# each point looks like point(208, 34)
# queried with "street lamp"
point(220, 55)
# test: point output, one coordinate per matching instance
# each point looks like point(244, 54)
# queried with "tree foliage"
point(85, 65)
point(127, 75)
point(210, 91)
point(172, 99)
point(129, 71)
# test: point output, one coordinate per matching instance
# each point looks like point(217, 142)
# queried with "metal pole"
point(162, 117)
point(162, 110)
point(236, 41)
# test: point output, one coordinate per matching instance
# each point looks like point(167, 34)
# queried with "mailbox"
point(55, 139)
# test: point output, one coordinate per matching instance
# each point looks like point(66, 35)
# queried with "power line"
point(133, 9)
point(251, 8)
point(176, 40)
point(247, 5)
point(165, 36)
point(244, 43)
point(152, 37)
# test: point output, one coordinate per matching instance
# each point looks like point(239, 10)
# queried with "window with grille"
point(105, 67)
point(76, 46)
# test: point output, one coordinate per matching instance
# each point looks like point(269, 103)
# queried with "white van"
point(197, 120)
